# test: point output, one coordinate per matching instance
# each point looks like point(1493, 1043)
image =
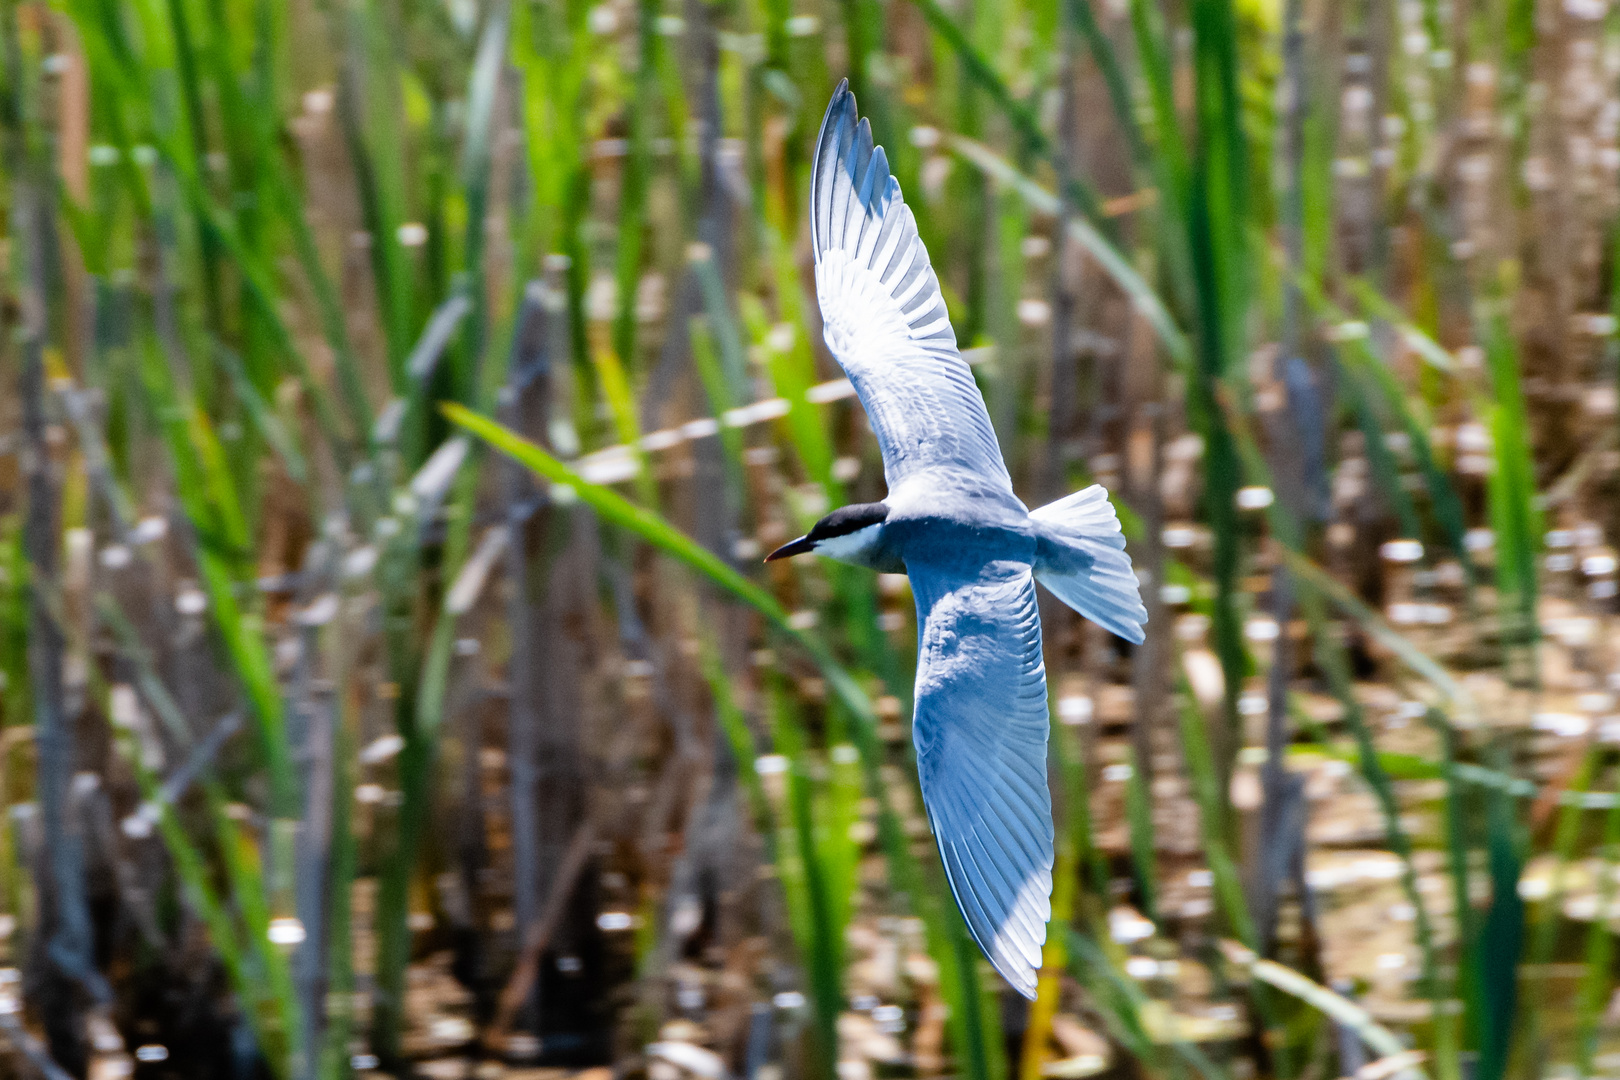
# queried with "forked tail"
point(1080, 556)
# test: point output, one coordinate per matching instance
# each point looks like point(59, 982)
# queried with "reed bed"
point(402, 393)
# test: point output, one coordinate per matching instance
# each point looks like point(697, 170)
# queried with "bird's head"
point(849, 534)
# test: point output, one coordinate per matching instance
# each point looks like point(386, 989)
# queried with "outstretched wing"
point(883, 315)
point(980, 728)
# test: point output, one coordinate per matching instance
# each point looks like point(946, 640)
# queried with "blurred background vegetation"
point(400, 394)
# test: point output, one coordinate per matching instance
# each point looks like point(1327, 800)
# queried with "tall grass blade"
point(1212, 817)
point(1385, 1042)
point(1514, 517)
point(1119, 91)
point(634, 181)
point(1144, 850)
point(1597, 981)
point(368, 109)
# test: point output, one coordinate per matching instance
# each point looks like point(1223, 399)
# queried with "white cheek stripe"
point(850, 545)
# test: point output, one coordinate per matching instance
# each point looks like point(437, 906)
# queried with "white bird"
point(971, 548)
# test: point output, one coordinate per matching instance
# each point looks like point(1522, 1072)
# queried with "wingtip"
point(843, 111)
point(841, 102)
point(1023, 977)
point(1017, 950)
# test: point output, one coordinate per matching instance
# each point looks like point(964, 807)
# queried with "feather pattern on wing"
point(884, 317)
point(980, 729)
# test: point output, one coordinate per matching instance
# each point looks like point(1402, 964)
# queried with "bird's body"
point(972, 550)
point(931, 529)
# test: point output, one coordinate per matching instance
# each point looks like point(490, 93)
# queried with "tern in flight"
point(972, 550)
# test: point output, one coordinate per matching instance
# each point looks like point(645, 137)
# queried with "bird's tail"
point(1080, 556)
